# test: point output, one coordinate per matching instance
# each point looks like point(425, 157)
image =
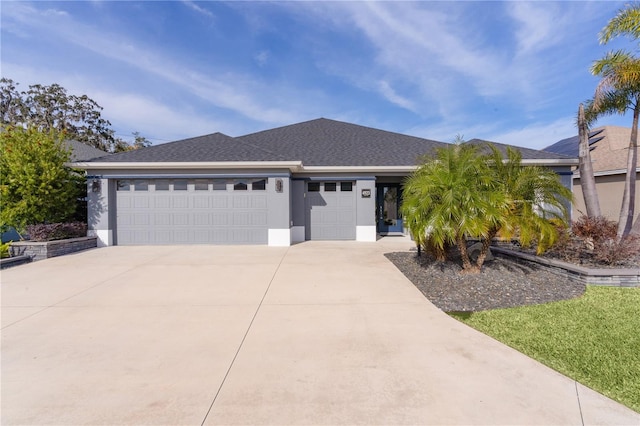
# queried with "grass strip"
point(594, 339)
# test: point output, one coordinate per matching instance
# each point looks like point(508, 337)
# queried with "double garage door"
point(331, 211)
point(191, 211)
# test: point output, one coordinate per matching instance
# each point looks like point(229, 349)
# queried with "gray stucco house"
point(317, 180)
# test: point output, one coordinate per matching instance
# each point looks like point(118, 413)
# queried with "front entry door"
point(388, 200)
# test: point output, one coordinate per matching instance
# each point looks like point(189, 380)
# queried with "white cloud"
point(262, 57)
point(388, 92)
point(539, 23)
point(240, 93)
point(198, 9)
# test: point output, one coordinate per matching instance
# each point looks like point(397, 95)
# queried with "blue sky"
point(509, 72)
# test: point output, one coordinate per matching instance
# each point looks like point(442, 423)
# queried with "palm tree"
point(463, 193)
point(616, 93)
point(536, 200)
point(619, 91)
point(587, 179)
point(451, 197)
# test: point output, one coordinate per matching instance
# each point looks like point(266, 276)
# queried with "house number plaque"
point(366, 193)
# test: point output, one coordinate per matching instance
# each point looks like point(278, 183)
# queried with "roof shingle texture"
point(83, 152)
point(216, 147)
point(320, 142)
point(609, 147)
point(527, 153)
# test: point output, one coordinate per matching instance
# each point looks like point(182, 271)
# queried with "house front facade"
point(609, 148)
point(318, 180)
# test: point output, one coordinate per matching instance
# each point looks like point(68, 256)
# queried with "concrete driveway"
point(318, 333)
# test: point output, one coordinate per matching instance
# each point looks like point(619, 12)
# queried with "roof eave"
point(550, 162)
point(333, 169)
point(294, 166)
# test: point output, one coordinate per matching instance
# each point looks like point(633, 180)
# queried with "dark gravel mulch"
point(501, 284)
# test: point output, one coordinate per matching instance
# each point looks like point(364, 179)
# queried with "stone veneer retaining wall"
point(604, 277)
point(47, 249)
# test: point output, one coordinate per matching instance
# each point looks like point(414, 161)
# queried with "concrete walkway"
point(318, 333)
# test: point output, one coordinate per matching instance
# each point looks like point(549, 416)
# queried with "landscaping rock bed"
point(501, 284)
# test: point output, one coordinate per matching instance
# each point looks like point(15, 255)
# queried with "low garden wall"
point(592, 276)
point(47, 249)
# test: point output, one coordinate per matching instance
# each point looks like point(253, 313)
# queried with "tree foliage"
point(617, 92)
point(52, 108)
point(462, 192)
point(35, 184)
point(451, 197)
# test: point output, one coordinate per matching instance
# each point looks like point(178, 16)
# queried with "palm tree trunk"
point(629, 196)
point(486, 244)
point(587, 180)
point(467, 267)
point(636, 226)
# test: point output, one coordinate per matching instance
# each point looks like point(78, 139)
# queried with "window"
point(140, 185)
point(162, 184)
point(259, 185)
point(219, 185)
point(346, 186)
point(240, 186)
point(123, 185)
point(313, 186)
point(180, 185)
point(201, 185)
point(330, 187)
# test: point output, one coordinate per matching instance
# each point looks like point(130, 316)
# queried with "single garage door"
point(331, 211)
point(191, 211)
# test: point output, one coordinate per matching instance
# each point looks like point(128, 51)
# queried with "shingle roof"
point(324, 142)
point(319, 142)
point(83, 152)
point(214, 147)
point(608, 144)
point(527, 153)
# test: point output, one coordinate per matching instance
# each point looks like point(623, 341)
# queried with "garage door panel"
point(201, 219)
point(331, 215)
point(259, 202)
point(180, 202)
point(201, 202)
point(141, 202)
point(191, 217)
point(180, 219)
point(220, 219)
point(162, 202)
point(220, 202)
point(141, 219)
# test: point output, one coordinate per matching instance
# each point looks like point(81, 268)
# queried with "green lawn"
point(594, 339)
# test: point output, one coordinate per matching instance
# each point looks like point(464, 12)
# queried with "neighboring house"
point(609, 147)
point(83, 152)
point(317, 180)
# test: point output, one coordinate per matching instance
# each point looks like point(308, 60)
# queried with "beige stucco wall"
point(610, 189)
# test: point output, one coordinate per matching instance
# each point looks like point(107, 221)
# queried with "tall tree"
point(35, 184)
point(619, 91)
point(51, 108)
point(587, 179)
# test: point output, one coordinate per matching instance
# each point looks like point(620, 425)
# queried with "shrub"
point(56, 231)
point(594, 240)
point(4, 250)
point(36, 185)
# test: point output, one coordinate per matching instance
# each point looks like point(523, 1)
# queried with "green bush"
point(4, 250)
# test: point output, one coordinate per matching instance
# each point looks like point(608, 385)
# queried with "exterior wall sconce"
point(96, 185)
point(279, 185)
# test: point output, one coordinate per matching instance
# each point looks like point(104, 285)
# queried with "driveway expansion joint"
point(244, 337)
